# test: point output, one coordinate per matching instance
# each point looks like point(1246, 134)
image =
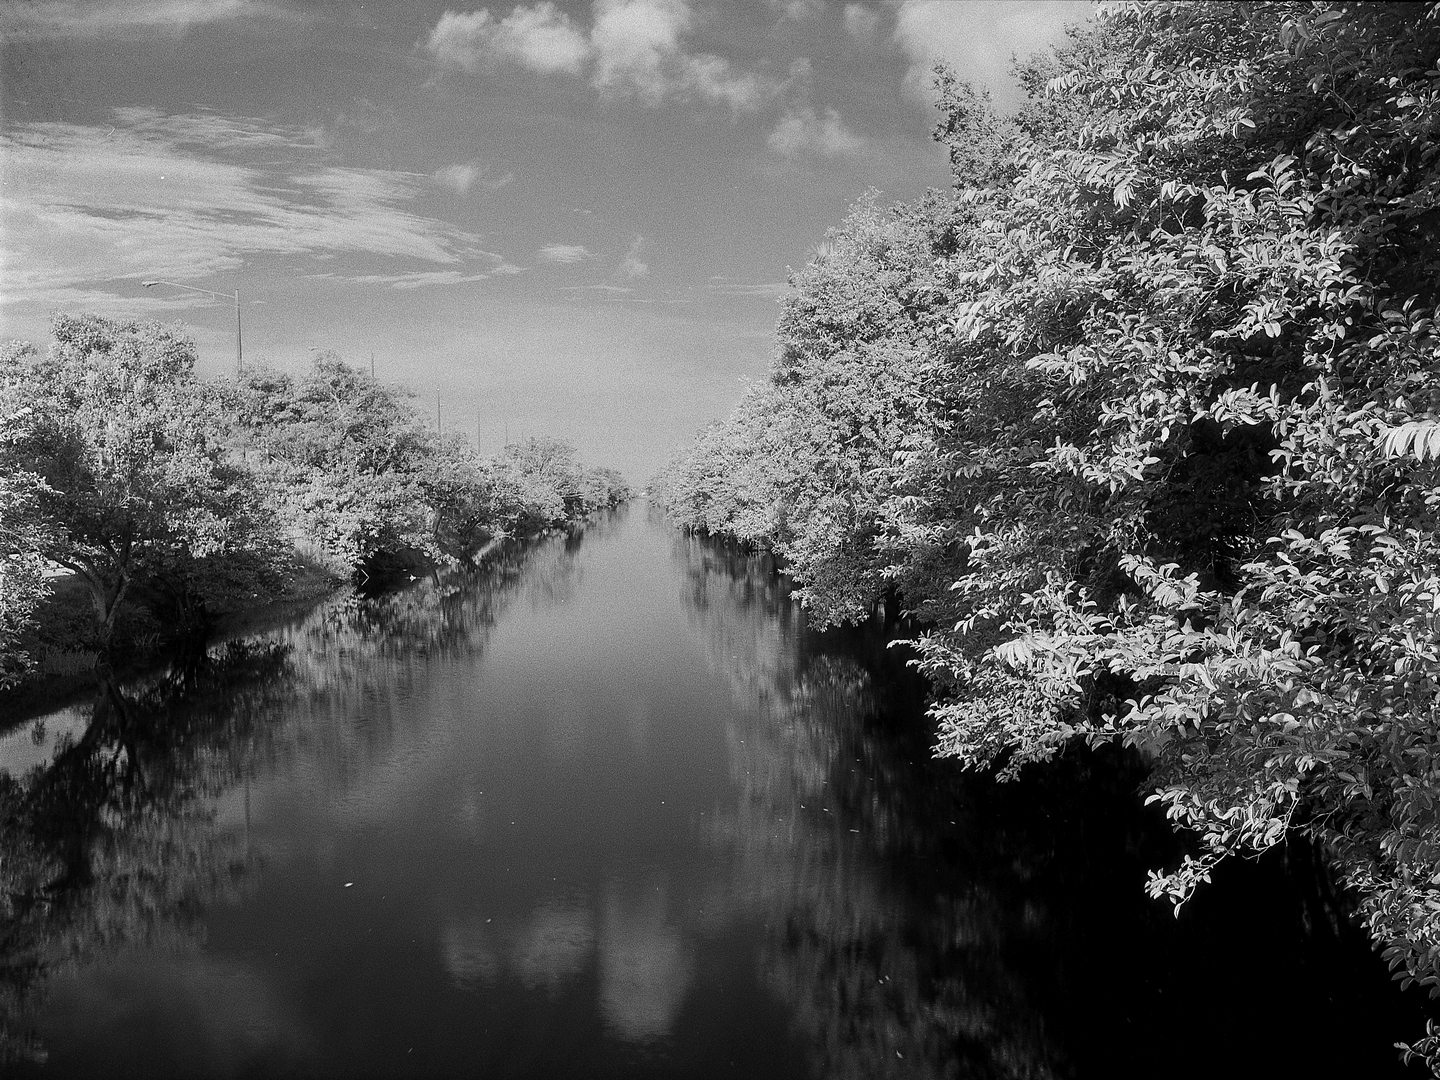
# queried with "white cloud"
point(212, 133)
point(634, 48)
point(153, 196)
point(604, 288)
point(803, 133)
point(97, 18)
point(726, 286)
point(422, 278)
point(564, 254)
point(798, 10)
point(978, 38)
point(631, 268)
point(458, 178)
point(539, 38)
point(638, 51)
point(463, 176)
point(862, 23)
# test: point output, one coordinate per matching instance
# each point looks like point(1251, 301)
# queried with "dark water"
point(609, 809)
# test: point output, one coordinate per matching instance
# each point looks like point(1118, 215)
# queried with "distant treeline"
point(186, 496)
point(1139, 425)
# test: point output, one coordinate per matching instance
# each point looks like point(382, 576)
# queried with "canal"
point(608, 809)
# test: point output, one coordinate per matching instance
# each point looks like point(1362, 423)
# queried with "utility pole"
point(235, 296)
point(372, 365)
point(438, 428)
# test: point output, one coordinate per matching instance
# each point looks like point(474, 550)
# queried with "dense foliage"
point(1141, 422)
point(355, 474)
point(924, 922)
point(121, 466)
point(122, 479)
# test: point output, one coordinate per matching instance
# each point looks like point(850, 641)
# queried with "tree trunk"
point(105, 597)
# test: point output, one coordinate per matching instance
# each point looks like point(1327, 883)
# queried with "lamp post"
point(235, 296)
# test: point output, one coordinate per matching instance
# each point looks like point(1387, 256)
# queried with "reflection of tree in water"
point(924, 922)
point(895, 960)
point(361, 657)
point(114, 842)
point(887, 973)
point(445, 615)
point(742, 608)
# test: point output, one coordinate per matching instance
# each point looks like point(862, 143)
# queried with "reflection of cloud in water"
point(552, 947)
point(558, 941)
point(469, 811)
point(644, 965)
point(236, 1007)
point(469, 952)
point(21, 749)
point(645, 968)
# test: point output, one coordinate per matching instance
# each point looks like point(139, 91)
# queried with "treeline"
point(185, 497)
point(1139, 425)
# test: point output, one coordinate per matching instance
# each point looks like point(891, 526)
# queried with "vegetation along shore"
point(141, 505)
point(1138, 426)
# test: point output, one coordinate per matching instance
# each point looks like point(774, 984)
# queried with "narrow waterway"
point(609, 809)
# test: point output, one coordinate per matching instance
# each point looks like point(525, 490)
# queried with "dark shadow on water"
point(933, 923)
point(110, 844)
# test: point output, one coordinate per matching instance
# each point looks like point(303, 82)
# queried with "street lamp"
point(235, 296)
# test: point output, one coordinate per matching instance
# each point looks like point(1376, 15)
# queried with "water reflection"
point(888, 971)
point(645, 965)
point(606, 809)
point(123, 821)
point(927, 923)
point(110, 844)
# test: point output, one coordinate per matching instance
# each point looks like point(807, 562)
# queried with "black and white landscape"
point(679, 538)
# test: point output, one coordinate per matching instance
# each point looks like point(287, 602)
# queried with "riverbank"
point(62, 640)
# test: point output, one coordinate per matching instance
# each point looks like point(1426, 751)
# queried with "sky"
point(569, 219)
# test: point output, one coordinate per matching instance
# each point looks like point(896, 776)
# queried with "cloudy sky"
point(564, 218)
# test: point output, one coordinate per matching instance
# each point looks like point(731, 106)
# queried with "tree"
point(339, 456)
point(1167, 479)
point(1212, 307)
point(22, 585)
point(127, 477)
point(548, 477)
point(357, 476)
point(805, 465)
